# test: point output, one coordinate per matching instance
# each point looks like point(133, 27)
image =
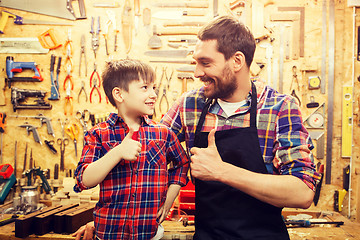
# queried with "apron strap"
point(253, 106)
point(253, 110)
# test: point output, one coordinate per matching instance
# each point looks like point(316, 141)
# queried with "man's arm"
point(278, 190)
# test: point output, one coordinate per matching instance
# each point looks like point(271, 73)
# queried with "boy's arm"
point(171, 195)
point(96, 172)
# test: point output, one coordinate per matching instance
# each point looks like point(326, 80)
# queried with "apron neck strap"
point(253, 109)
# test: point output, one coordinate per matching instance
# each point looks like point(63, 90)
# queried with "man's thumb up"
point(211, 138)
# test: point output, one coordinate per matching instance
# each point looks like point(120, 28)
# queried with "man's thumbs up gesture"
point(206, 162)
point(131, 148)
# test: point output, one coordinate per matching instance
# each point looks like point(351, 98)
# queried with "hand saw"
point(55, 8)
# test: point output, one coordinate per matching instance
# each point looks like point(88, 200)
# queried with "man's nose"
point(198, 71)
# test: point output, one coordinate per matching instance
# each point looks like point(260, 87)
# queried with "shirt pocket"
point(156, 153)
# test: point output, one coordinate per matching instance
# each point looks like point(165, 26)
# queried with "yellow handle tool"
point(4, 17)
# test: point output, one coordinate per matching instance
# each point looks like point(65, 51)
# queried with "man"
point(250, 151)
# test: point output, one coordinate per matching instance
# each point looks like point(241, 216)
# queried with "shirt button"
point(136, 171)
point(227, 121)
point(133, 194)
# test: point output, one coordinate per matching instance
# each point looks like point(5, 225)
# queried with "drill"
point(17, 67)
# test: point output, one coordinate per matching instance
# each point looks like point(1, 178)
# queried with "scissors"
point(62, 142)
point(73, 131)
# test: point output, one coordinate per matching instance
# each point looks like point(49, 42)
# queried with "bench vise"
point(19, 96)
point(17, 67)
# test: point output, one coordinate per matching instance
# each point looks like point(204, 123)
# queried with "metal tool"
point(68, 79)
point(54, 90)
point(178, 14)
point(215, 8)
point(184, 77)
point(83, 118)
point(82, 90)
point(30, 128)
point(49, 40)
point(147, 20)
point(331, 81)
point(169, 53)
point(82, 54)
point(15, 159)
point(54, 8)
point(68, 106)
point(43, 119)
point(25, 157)
point(184, 4)
point(95, 84)
point(2, 130)
point(163, 96)
point(309, 223)
point(62, 143)
point(347, 121)
point(68, 51)
point(294, 78)
point(50, 145)
point(95, 35)
point(19, 96)
point(73, 131)
point(17, 67)
point(293, 93)
point(21, 45)
point(137, 15)
point(127, 25)
point(318, 185)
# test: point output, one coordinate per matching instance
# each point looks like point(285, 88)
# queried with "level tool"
point(346, 129)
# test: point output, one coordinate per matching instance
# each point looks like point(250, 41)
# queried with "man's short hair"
point(120, 73)
point(231, 36)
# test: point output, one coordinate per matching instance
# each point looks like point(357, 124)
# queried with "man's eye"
point(205, 63)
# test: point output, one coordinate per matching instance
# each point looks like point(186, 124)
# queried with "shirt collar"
point(113, 119)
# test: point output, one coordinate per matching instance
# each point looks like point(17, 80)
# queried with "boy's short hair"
point(120, 73)
point(231, 36)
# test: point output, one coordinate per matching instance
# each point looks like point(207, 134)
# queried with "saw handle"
point(48, 39)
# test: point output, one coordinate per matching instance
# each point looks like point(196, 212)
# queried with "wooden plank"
point(76, 219)
point(44, 223)
point(24, 224)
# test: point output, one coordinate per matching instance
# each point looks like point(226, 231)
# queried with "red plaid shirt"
point(132, 192)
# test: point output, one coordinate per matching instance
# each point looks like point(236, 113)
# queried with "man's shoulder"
point(194, 98)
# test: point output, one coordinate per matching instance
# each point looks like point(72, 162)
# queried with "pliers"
point(163, 96)
point(68, 107)
point(68, 50)
point(95, 37)
point(68, 78)
point(82, 89)
point(82, 53)
point(94, 83)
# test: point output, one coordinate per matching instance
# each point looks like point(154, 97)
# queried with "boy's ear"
point(117, 94)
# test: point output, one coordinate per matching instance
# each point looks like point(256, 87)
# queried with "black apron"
point(223, 212)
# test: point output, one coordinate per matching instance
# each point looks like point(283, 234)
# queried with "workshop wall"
point(294, 31)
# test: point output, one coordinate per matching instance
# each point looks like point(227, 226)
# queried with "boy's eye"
point(144, 87)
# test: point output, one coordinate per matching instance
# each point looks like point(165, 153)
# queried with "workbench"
point(176, 230)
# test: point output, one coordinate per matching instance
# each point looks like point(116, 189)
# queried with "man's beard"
point(223, 88)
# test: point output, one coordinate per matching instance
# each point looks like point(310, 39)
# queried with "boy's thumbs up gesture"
point(131, 148)
point(205, 162)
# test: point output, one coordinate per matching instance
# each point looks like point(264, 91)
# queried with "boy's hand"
point(162, 213)
point(130, 148)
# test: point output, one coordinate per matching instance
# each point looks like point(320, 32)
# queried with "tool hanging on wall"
point(314, 82)
point(126, 23)
point(22, 45)
point(82, 54)
point(68, 105)
point(73, 130)
point(312, 103)
point(147, 20)
point(178, 14)
point(347, 121)
point(55, 8)
point(17, 67)
point(339, 195)
point(19, 98)
point(2, 130)
point(30, 128)
point(49, 40)
point(54, 90)
point(43, 120)
point(268, 56)
point(82, 90)
point(95, 83)
point(95, 35)
point(316, 119)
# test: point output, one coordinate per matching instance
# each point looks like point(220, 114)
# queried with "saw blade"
point(21, 45)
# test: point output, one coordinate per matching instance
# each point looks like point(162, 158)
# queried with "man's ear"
point(117, 94)
point(239, 61)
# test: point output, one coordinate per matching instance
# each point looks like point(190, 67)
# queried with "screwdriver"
point(2, 130)
point(308, 223)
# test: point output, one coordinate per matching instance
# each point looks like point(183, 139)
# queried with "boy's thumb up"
point(211, 138)
point(130, 133)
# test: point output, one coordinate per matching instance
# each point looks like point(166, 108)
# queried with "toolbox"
point(187, 202)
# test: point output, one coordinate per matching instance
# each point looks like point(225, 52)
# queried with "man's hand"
point(206, 162)
point(130, 148)
point(87, 231)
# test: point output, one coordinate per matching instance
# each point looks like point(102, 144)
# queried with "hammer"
point(185, 77)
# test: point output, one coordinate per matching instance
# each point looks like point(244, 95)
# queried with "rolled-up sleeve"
point(91, 152)
point(293, 145)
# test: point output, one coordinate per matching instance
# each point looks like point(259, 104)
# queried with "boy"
point(128, 156)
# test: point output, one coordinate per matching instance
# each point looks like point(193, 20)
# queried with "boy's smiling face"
point(140, 99)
